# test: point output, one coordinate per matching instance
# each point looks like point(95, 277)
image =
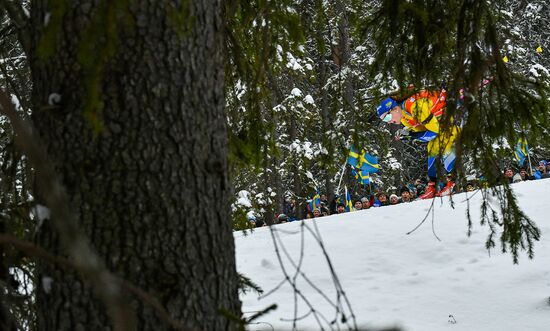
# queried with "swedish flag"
point(368, 163)
point(353, 157)
point(521, 152)
point(362, 176)
point(315, 203)
point(348, 203)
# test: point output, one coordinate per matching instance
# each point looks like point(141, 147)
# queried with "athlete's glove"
point(403, 133)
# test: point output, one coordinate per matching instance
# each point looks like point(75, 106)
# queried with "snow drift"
point(416, 281)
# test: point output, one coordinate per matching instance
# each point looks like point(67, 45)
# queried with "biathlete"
point(420, 115)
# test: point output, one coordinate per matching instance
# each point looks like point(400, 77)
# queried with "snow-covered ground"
point(393, 279)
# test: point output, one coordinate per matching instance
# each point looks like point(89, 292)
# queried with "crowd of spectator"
point(541, 171)
point(405, 194)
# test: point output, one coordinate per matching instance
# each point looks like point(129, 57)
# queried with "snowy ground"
point(394, 279)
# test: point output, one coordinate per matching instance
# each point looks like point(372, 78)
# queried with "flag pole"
point(341, 176)
point(528, 157)
point(530, 166)
point(370, 187)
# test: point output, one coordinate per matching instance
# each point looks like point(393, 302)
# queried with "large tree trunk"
point(144, 160)
point(344, 48)
point(278, 157)
point(295, 170)
point(327, 117)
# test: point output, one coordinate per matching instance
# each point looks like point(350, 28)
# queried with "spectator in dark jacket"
point(509, 174)
point(290, 209)
point(406, 195)
point(524, 175)
point(333, 206)
point(381, 200)
point(282, 218)
point(419, 186)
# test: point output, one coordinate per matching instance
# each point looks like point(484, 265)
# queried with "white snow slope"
point(393, 279)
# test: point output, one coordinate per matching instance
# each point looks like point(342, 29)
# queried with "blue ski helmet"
point(385, 106)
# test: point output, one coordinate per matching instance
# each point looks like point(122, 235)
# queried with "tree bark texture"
point(327, 117)
point(275, 176)
point(295, 170)
point(146, 166)
point(345, 50)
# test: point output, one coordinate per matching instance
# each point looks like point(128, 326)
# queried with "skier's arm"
point(423, 136)
point(408, 133)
